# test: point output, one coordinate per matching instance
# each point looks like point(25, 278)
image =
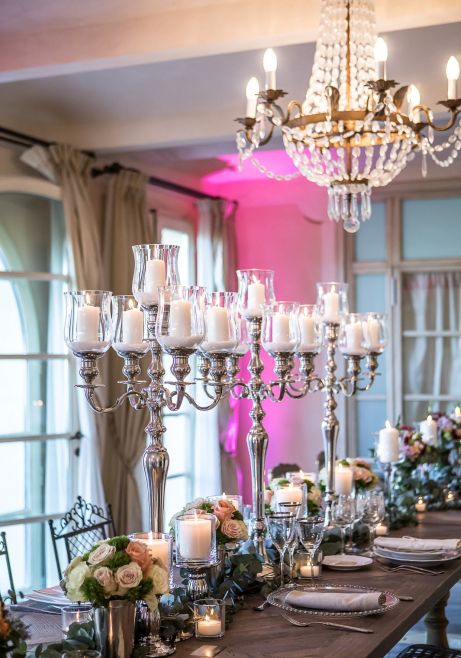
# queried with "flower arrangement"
point(230, 526)
point(314, 494)
point(13, 634)
point(117, 568)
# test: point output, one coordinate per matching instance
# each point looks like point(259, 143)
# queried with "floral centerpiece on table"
point(364, 476)
point(230, 526)
point(314, 495)
point(13, 634)
point(117, 568)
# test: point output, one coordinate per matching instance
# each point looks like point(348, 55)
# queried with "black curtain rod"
point(116, 168)
point(21, 139)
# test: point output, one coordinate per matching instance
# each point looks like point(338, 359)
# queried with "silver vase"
point(114, 629)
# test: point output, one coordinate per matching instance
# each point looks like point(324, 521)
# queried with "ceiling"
point(163, 81)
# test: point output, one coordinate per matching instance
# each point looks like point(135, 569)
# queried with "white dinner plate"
point(346, 562)
point(411, 555)
point(448, 557)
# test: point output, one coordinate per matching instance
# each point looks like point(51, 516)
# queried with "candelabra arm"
point(239, 390)
point(372, 366)
point(283, 366)
point(349, 383)
point(94, 404)
point(330, 424)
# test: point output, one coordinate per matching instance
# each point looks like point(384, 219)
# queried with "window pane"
point(431, 228)
point(370, 241)
point(178, 442)
point(370, 293)
point(181, 238)
point(371, 416)
point(432, 366)
point(31, 234)
point(34, 396)
point(32, 315)
point(176, 496)
point(417, 410)
point(431, 301)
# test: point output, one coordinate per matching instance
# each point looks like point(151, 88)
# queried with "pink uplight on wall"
point(274, 160)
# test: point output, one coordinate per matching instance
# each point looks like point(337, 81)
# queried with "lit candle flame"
point(429, 419)
point(388, 425)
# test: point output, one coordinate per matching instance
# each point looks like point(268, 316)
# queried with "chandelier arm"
point(454, 111)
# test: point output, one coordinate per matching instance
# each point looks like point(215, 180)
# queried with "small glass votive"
point(75, 614)
point(420, 505)
point(332, 302)
point(195, 536)
point(307, 568)
point(155, 265)
point(291, 493)
point(222, 323)
point(210, 617)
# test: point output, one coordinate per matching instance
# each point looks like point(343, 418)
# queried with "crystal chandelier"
point(354, 130)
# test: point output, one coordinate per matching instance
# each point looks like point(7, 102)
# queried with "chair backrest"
point(280, 470)
point(81, 527)
point(5, 555)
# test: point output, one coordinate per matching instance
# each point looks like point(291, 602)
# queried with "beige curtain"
point(126, 222)
point(216, 432)
point(70, 169)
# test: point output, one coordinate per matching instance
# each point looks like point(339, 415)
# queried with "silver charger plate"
point(278, 597)
point(436, 562)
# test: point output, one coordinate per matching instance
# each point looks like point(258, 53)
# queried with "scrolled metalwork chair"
point(11, 594)
point(80, 528)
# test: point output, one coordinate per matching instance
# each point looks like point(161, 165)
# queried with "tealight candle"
point(420, 505)
point(309, 570)
point(381, 530)
point(344, 477)
point(210, 615)
point(209, 626)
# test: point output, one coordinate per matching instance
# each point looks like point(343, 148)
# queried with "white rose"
point(151, 601)
point(129, 575)
point(159, 577)
point(74, 581)
point(100, 554)
point(72, 564)
point(105, 577)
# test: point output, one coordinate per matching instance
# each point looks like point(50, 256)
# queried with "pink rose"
point(100, 554)
point(139, 553)
point(105, 577)
point(223, 509)
point(129, 575)
point(268, 493)
point(234, 529)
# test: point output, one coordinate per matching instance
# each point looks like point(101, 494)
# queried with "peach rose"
point(234, 529)
point(139, 553)
point(223, 509)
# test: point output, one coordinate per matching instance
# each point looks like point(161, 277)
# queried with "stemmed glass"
point(371, 507)
point(282, 528)
point(343, 514)
point(295, 509)
point(310, 532)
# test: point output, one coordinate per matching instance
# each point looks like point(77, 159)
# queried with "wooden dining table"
point(266, 634)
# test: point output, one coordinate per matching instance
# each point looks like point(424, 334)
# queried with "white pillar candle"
point(331, 306)
point(343, 480)
point(180, 323)
point(209, 626)
point(371, 330)
point(308, 341)
point(290, 494)
point(88, 323)
point(234, 499)
point(217, 319)
point(420, 505)
point(158, 548)
point(256, 298)
point(133, 326)
point(354, 337)
point(428, 429)
point(388, 444)
point(381, 530)
point(194, 538)
point(280, 328)
point(155, 276)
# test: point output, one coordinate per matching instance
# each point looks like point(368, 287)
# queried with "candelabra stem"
point(330, 423)
point(257, 437)
point(155, 458)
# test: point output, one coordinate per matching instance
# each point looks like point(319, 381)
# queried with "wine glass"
point(310, 532)
point(282, 528)
point(295, 509)
point(343, 514)
point(372, 509)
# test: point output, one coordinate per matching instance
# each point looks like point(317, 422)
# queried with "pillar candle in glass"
point(222, 330)
point(420, 505)
point(88, 323)
point(180, 318)
point(155, 265)
point(195, 538)
point(128, 322)
point(332, 301)
point(309, 333)
point(158, 544)
point(255, 289)
point(344, 480)
point(388, 449)
point(280, 327)
point(428, 429)
point(290, 493)
point(351, 342)
point(375, 333)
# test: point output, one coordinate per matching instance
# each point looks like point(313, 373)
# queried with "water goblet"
point(292, 508)
point(343, 514)
point(281, 527)
point(372, 509)
point(310, 532)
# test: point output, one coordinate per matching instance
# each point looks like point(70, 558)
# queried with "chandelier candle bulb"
point(388, 444)
point(256, 299)
point(344, 478)
point(380, 53)
point(453, 72)
point(155, 277)
point(428, 429)
point(414, 99)
point(270, 68)
point(88, 324)
point(252, 92)
point(133, 327)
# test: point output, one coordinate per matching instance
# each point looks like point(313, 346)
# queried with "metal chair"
point(280, 470)
point(11, 594)
point(428, 651)
point(81, 527)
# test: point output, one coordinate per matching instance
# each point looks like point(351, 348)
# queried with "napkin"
point(414, 544)
point(337, 601)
